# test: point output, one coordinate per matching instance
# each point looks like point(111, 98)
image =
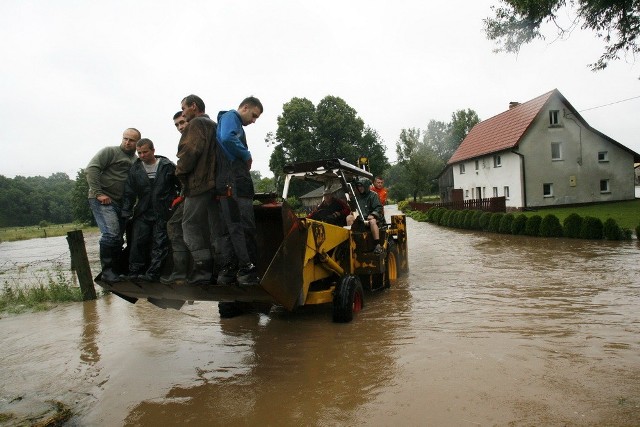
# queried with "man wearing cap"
point(331, 210)
point(371, 211)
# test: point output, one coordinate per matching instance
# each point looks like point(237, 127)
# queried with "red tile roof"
point(500, 132)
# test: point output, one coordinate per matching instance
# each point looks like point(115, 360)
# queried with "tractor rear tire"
point(348, 299)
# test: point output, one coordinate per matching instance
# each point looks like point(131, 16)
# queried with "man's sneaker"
point(248, 275)
point(378, 250)
point(227, 275)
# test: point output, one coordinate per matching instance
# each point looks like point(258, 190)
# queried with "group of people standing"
point(199, 209)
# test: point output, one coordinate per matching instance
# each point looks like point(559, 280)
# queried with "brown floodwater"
point(485, 330)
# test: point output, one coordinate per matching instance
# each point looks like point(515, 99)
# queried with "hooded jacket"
point(150, 199)
point(232, 174)
point(369, 201)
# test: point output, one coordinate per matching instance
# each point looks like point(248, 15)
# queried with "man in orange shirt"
point(378, 188)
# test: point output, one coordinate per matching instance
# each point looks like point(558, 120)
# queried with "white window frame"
point(559, 157)
point(603, 156)
point(495, 191)
point(506, 192)
point(477, 165)
point(544, 187)
point(607, 188)
point(554, 118)
point(462, 169)
point(497, 161)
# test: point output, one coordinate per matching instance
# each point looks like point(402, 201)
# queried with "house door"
point(478, 193)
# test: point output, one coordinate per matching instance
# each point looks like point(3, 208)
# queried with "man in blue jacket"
point(234, 189)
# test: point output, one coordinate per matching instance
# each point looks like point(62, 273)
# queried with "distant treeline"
point(28, 201)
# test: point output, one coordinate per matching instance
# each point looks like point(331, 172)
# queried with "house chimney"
point(513, 104)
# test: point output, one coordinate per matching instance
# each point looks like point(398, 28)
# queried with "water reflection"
point(289, 368)
point(89, 351)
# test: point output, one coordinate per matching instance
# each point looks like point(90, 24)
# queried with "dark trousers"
point(150, 243)
point(240, 247)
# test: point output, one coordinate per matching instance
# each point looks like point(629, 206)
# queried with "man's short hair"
point(194, 99)
point(380, 178)
point(136, 131)
point(176, 115)
point(252, 101)
point(145, 141)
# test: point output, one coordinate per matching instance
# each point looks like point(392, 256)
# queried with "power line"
point(611, 103)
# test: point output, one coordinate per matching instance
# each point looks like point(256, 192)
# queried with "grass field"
point(11, 234)
point(626, 214)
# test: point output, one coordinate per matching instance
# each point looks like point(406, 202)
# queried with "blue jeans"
point(109, 221)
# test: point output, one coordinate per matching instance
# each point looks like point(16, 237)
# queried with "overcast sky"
point(75, 74)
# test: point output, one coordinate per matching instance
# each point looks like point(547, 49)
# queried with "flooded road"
point(485, 330)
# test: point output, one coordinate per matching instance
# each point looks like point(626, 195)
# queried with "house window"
point(506, 191)
point(466, 194)
point(547, 190)
point(556, 151)
point(477, 164)
point(461, 168)
point(495, 191)
point(497, 161)
point(604, 186)
point(603, 156)
point(553, 117)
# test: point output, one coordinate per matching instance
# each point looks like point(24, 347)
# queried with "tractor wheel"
point(393, 262)
point(348, 299)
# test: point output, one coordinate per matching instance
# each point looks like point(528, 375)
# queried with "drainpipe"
point(523, 179)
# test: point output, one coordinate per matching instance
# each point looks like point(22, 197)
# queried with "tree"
point(79, 200)
point(617, 23)
point(332, 129)
point(419, 165)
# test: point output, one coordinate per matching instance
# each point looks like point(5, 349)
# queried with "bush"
point(505, 224)
point(483, 221)
point(572, 225)
point(403, 205)
point(612, 230)
point(591, 228)
point(475, 220)
point(532, 226)
point(517, 226)
point(468, 220)
point(550, 226)
point(437, 215)
point(444, 219)
point(494, 222)
point(638, 232)
point(459, 218)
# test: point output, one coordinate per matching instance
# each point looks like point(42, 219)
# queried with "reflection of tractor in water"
point(301, 261)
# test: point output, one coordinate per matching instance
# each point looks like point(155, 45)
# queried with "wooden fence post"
point(80, 263)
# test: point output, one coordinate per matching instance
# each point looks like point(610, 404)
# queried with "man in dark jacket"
point(148, 192)
point(371, 211)
point(196, 171)
point(234, 188)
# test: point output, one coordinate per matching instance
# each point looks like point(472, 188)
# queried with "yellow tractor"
point(301, 261)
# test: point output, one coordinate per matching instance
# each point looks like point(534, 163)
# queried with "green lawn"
point(627, 214)
point(11, 234)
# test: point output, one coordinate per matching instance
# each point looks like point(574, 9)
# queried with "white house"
point(542, 153)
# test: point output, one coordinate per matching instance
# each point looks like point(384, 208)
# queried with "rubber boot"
point(109, 257)
point(180, 267)
point(202, 272)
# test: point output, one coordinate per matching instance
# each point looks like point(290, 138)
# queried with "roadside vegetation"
point(55, 289)
point(12, 234)
point(611, 221)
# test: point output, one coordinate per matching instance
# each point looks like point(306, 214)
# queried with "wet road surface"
point(485, 330)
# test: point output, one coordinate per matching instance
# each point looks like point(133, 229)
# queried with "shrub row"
point(574, 226)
